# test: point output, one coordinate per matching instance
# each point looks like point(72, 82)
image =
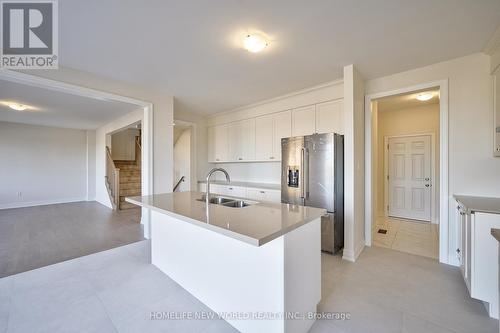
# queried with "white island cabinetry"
point(258, 264)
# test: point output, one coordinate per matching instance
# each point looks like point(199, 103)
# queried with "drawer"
point(234, 191)
point(264, 195)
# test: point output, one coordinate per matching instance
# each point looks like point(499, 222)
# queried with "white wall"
point(45, 164)
point(416, 120)
point(270, 172)
point(354, 152)
point(182, 160)
point(101, 135)
point(91, 165)
point(262, 172)
point(163, 111)
point(472, 168)
point(123, 144)
point(200, 146)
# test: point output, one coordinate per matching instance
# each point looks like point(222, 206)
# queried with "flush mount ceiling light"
point(255, 42)
point(425, 96)
point(17, 106)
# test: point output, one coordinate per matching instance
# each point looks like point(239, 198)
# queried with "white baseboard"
point(40, 203)
point(352, 256)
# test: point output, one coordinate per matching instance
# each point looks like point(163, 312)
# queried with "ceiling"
point(191, 49)
point(406, 101)
point(57, 109)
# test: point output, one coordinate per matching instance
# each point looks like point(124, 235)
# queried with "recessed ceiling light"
point(425, 97)
point(17, 106)
point(255, 43)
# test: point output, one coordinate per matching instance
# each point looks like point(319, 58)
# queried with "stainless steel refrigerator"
point(313, 175)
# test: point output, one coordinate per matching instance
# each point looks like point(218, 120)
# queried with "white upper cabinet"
point(304, 121)
point(241, 140)
point(269, 130)
point(330, 117)
point(282, 129)
point(259, 138)
point(218, 143)
point(264, 135)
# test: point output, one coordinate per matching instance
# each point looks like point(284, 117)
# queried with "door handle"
point(302, 188)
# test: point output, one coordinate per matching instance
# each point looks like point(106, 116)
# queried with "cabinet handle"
point(263, 192)
point(217, 159)
point(271, 158)
point(240, 159)
point(458, 250)
point(231, 188)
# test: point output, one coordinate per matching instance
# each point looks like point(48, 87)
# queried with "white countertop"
point(266, 186)
point(479, 204)
point(256, 224)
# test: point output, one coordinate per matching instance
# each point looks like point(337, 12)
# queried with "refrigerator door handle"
point(306, 174)
point(302, 162)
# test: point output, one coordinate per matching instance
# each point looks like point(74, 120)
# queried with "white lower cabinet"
point(264, 195)
point(234, 191)
point(251, 193)
point(477, 253)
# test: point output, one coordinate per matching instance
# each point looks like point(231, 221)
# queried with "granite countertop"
point(496, 233)
point(266, 186)
point(256, 224)
point(479, 204)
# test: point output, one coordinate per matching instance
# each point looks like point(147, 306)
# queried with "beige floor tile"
point(413, 237)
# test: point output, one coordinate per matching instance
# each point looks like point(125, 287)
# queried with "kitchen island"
point(258, 266)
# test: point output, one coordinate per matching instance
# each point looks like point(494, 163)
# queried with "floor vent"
point(382, 231)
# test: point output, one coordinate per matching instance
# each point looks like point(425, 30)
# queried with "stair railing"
point(112, 180)
point(182, 179)
point(138, 151)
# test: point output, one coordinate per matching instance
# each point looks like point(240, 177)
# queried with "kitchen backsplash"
point(264, 172)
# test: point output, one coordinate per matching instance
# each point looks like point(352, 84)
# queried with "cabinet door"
point(282, 123)
point(235, 191)
point(211, 144)
point(330, 117)
point(254, 194)
point(304, 121)
point(241, 140)
point(263, 138)
point(273, 196)
point(217, 143)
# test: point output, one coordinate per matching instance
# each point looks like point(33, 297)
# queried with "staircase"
point(130, 182)
point(123, 178)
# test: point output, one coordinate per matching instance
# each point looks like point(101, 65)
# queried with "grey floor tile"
point(68, 305)
point(147, 286)
point(413, 324)
point(178, 302)
point(4, 313)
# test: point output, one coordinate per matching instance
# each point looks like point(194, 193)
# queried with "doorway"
point(184, 156)
point(405, 157)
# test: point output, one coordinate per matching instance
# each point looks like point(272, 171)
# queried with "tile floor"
point(407, 236)
point(116, 290)
point(34, 237)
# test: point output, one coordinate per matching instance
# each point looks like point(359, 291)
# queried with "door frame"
point(445, 255)
point(434, 218)
point(147, 171)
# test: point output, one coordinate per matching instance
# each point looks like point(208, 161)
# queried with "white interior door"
point(409, 171)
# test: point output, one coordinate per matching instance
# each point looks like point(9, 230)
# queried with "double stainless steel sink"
point(227, 202)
